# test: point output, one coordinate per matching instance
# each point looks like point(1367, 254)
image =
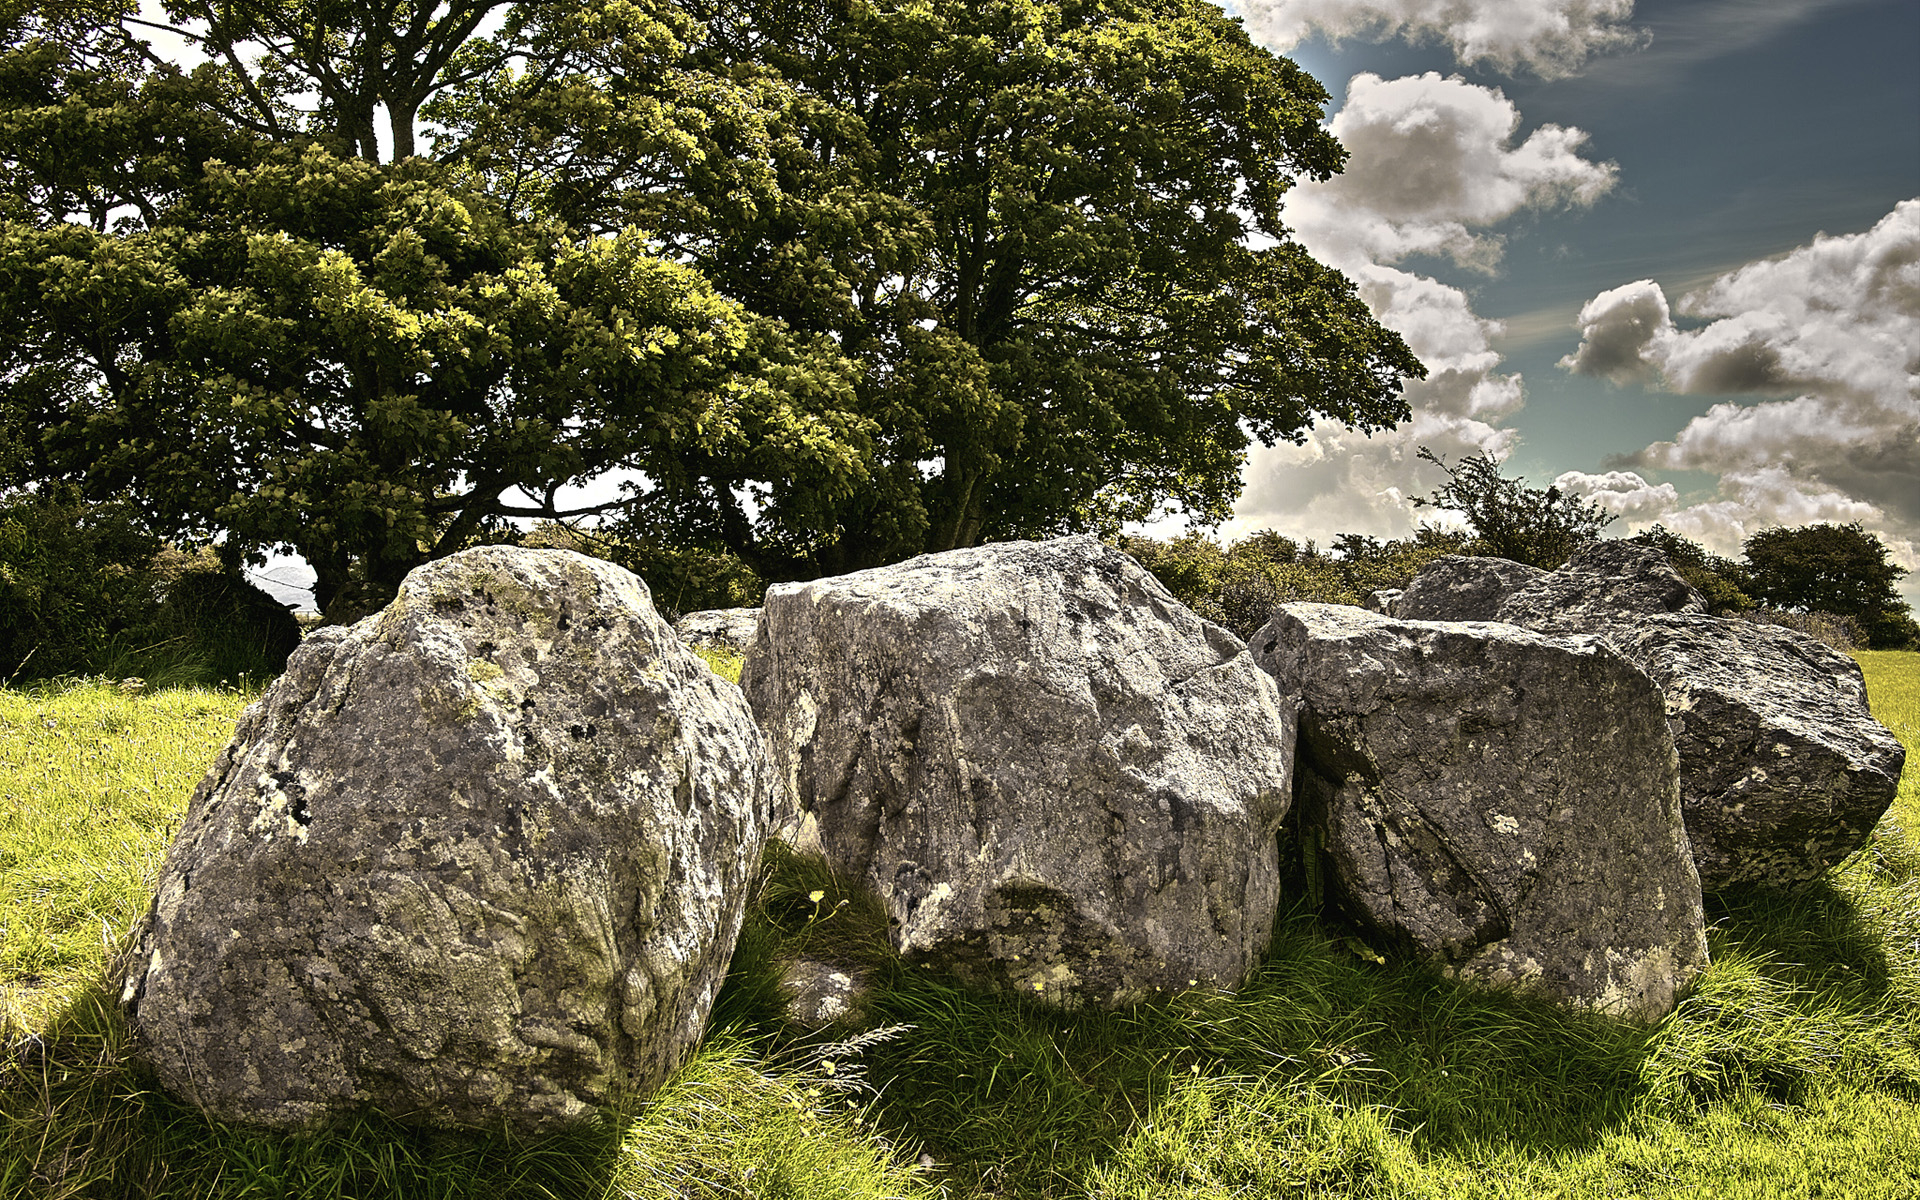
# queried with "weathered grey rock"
point(1383, 600)
point(1783, 770)
point(1601, 586)
point(479, 859)
point(1506, 803)
point(1060, 781)
point(727, 629)
point(821, 993)
point(1461, 588)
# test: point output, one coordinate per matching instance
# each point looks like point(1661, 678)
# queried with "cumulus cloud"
point(1549, 37)
point(1433, 166)
point(1823, 346)
point(1840, 315)
point(1618, 329)
point(1431, 160)
point(1833, 327)
point(1746, 501)
point(1340, 481)
point(1623, 493)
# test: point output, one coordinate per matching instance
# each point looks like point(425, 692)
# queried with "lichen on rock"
point(479, 858)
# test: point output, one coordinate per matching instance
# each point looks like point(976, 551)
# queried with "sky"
point(1665, 254)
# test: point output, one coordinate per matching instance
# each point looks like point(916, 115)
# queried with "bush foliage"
point(1239, 585)
point(85, 589)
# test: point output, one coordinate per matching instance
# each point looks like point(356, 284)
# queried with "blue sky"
point(1667, 166)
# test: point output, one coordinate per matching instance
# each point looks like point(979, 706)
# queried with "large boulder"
point(1603, 586)
point(1061, 782)
point(1503, 802)
point(1783, 770)
point(728, 630)
point(1458, 587)
point(479, 860)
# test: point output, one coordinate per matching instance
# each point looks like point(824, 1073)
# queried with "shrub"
point(1726, 584)
point(1834, 568)
point(76, 584)
point(85, 590)
point(682, 579)
point(1542, 528)
point(1240, 585)
point(234, 629)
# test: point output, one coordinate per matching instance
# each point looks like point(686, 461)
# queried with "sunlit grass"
point(1792, 1070)
point(92, 785)
point(1893, 689)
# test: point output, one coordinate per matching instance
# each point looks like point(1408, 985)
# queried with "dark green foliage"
point(830, 285)
point(687, 579)
point(239, 630)
point(282, 340)
point(1029, 224)
point(76, 584)
point(1724, 582)
point(1510, 519)
point(1240, 585)
point(1839, 569)
point(85, 590)
point(682, 578)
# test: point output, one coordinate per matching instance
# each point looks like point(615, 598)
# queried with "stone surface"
point(1383, 600)
point(1504, 802)
point(480, 859)
point(1061, 782)
point(1783, 770)
point(1457, 587)
point(728, 629)
point(821, 993)
point(1603, 585)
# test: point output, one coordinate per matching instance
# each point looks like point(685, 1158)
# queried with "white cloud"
point(1840, 316)
point(1747, 500)
point(1432, 166)
point(1769, 497)
point(1430, 160)
point(1624, 493)
point(1549, 37)
point(1340, 481)
point(1834, 327)
point(1825, 343)
point(1618, 329)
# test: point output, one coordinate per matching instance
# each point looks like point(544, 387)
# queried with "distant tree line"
point(1835, 581)
point(87, 588)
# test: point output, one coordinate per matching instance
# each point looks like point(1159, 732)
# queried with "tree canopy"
point(1051, 235)
point(1840, 569)
point(830, 284)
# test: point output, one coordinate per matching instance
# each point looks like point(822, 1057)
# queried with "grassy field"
point(1792, 1070)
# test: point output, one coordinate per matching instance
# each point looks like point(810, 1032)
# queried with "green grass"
point(92, 785)
point(1792, 1070)
point(725, 663)
point(1893, 688)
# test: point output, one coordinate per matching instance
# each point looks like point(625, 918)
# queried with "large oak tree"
point(1052, 236)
